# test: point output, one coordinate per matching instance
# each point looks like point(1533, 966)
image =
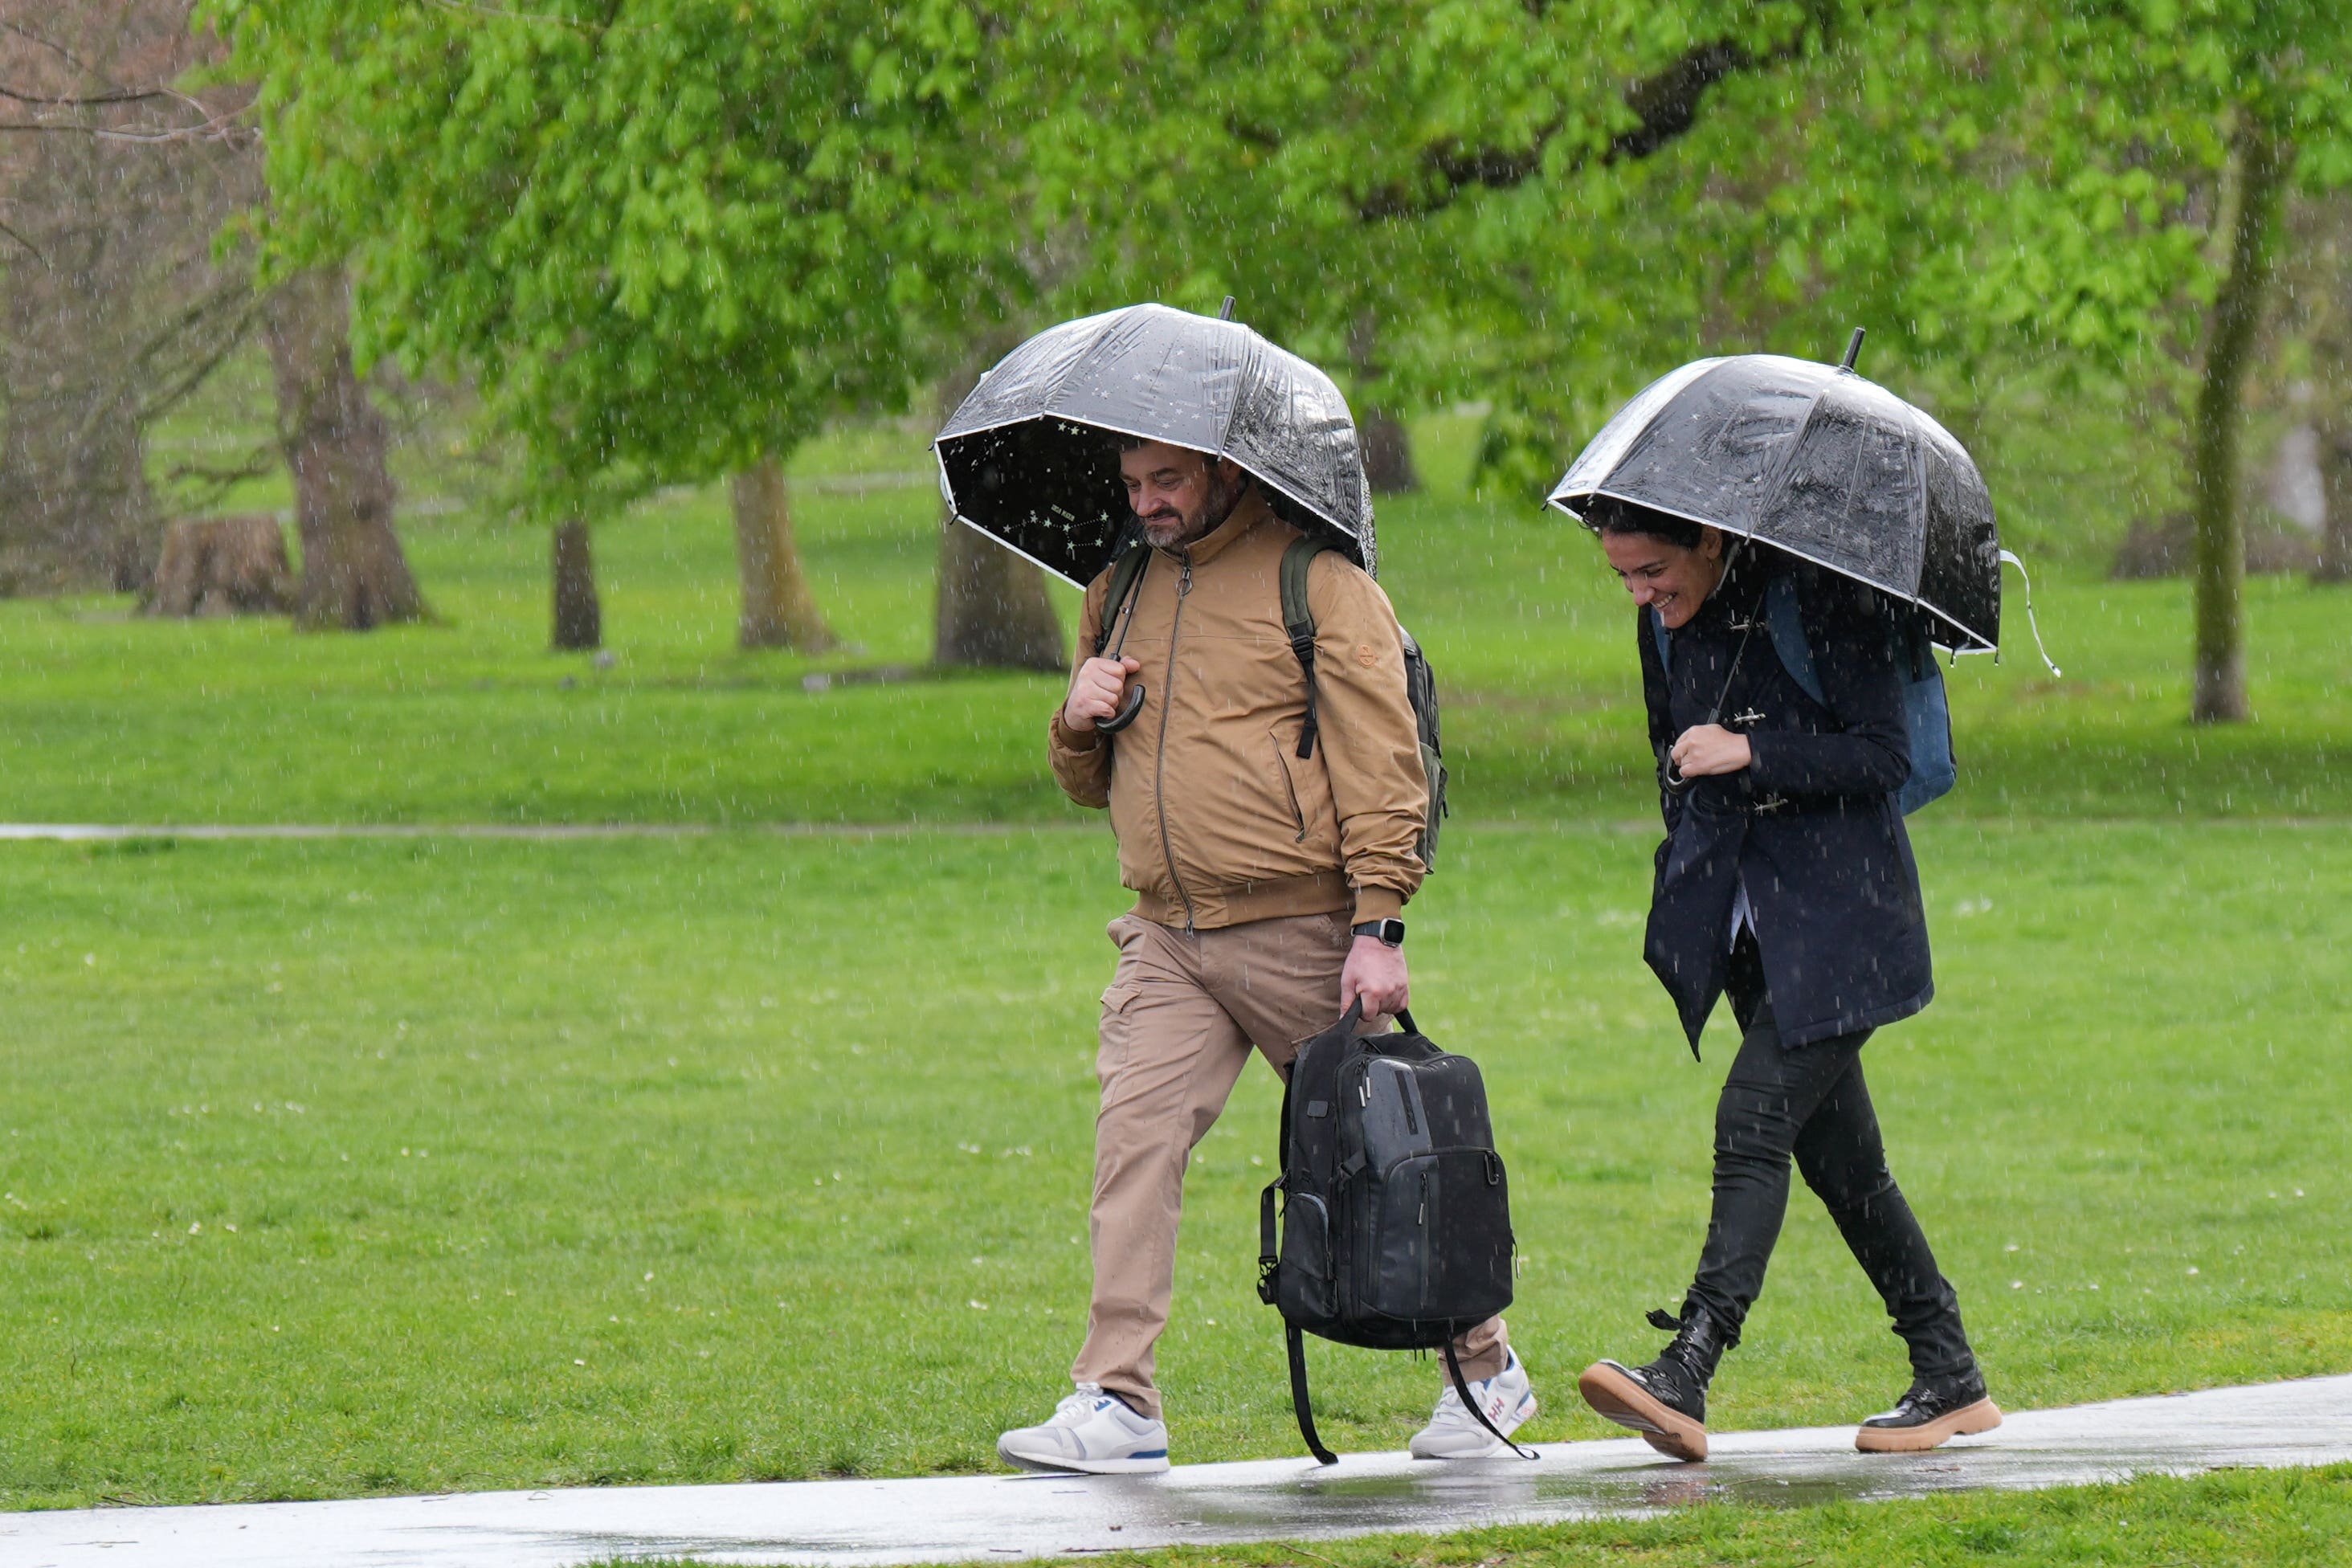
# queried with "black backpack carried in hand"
point(1396, 1217)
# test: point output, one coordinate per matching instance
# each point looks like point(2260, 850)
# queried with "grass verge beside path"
point(111, 717)
point(348, 1167)
point(2245, 1519)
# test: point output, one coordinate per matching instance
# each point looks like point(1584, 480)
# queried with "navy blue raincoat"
point(1810, 826)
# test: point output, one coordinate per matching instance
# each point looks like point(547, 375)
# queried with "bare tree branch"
point(1665, 105)
point(94, 100)
point(223, 128)
point(38, 41)
point(211, 483)
point(37, 252)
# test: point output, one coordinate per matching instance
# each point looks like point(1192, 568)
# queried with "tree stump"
point(223, 566)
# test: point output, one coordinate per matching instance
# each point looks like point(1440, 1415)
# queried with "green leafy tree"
point(670, 238)
point(2088, 191)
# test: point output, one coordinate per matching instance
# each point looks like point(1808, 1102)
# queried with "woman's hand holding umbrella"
point(1704, 749)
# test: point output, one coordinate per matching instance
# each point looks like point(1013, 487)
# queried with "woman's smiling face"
point(1669, 578)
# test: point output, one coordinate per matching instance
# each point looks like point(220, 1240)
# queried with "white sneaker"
point(1453, 1433)
point(1092, 1432)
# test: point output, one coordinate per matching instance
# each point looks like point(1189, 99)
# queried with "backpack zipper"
point(1159, 761)
point(1424, 1248)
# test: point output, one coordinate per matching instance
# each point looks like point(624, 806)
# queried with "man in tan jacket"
point(1268, 891)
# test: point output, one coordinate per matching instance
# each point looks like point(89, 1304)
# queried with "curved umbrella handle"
point(1125, 714)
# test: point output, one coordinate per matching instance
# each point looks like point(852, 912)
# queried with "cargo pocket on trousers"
point(1118, 1023)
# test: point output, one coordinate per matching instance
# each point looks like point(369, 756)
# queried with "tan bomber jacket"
point(1218, 819)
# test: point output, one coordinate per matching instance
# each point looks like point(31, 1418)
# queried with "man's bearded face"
point(1179, 495)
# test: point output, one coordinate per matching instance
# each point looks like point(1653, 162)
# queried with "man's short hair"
point(1121, 443)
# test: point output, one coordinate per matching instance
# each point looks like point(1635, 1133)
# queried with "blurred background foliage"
point(593, 250)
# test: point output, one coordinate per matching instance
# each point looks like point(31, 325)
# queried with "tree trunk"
point(1381, 435)
point(2335, 482)
point(579, 616)
point(993, 608)
point(1388, 453)
point(354, 576)
point(2220, 541)
point(75, 507)
point(778, 610)
point(993, 613)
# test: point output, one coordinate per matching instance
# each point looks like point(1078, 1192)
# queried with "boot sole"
point(1965, 1422)
point(1607, 1389)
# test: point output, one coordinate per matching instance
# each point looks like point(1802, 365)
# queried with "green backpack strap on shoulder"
point(1298, 621)
point(1124, 575)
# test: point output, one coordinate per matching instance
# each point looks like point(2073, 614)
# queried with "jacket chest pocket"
point(1288, 783)
point(1302, 790)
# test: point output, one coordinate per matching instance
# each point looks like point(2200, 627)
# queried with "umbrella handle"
point(1125, 714)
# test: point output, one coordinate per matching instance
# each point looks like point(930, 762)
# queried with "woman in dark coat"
point(1786, 880)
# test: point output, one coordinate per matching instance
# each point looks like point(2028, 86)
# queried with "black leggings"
point(1810, 1101)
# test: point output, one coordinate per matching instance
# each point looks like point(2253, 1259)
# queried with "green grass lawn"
point(343, 1167)
point(111, 717)
point(339, 1167)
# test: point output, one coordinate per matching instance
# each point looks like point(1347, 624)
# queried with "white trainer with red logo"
point(1453, 1433)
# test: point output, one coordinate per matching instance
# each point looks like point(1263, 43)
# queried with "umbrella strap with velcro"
point(1298, 623)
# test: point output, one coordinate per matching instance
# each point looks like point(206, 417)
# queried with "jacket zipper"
point(1159, 761)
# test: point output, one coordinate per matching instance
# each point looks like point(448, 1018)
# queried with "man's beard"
point(1175, 532)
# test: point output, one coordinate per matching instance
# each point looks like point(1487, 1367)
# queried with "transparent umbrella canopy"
point(1029, 459)
point(1815, 460)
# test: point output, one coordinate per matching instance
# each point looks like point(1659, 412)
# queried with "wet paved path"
point(968, 1518)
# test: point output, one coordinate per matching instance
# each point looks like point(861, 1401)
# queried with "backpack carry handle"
point(1352, 1020)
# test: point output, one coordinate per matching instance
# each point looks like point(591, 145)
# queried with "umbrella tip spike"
point(1225, 312)
point(1852, 350)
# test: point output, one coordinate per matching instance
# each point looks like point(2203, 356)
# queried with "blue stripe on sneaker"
point(1150, 1454)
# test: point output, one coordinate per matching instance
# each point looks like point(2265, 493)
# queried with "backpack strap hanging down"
point(1298, 622)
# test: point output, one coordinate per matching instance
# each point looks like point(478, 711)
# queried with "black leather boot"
point(1932, 1413)
point(1665, 1400)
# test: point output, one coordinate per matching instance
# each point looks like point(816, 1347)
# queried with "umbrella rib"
point(1780, 483)
point(1000, 538)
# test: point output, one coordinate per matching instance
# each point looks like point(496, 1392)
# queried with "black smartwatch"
point(1389, 932)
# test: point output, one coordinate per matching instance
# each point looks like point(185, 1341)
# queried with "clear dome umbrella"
point(1029, 459)
point(1815, 460)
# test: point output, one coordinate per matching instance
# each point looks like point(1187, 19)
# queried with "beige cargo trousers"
point(1183, 1011)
